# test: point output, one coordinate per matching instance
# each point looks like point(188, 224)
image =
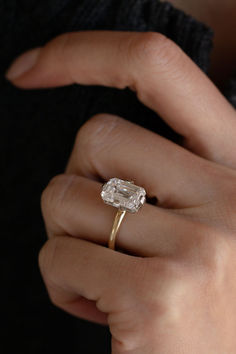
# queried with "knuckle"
point(217, 252)
point(96, 130)
point(56, 47)
point(96, 135)
point(210, 250)
point(153, 50)
point(171, 288)
point(165, 283)
point(53, 196)
point(47, 257)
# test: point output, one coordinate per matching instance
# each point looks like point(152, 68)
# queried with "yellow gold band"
point(115, 228)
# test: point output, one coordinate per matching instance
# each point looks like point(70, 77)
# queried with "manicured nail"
point(23, 64)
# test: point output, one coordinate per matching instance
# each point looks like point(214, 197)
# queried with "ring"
point(125, 196)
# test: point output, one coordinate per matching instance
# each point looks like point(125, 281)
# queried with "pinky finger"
point(76, 305)
point(67, 299)
point(81, 276)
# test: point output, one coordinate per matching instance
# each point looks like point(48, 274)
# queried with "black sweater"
point(38, 128)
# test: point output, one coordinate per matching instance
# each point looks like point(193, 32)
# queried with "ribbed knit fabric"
point(38, 128)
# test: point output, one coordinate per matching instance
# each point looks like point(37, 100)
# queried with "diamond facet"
point(124, 195)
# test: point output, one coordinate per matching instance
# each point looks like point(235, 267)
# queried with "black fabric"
point(38, 128)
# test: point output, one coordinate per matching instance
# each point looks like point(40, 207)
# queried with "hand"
point(173, 289)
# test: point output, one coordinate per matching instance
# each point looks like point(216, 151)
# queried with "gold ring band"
point(115, 228)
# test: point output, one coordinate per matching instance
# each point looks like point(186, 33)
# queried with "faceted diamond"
point(124, 195)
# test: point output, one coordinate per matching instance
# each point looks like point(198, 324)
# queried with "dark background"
point(37, 131)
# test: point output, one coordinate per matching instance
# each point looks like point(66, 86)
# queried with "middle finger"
point(108, 146)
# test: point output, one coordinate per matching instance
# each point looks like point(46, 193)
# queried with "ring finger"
point(72, 206)
point(108, 146)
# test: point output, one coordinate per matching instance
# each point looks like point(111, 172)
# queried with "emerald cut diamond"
point(124, 195)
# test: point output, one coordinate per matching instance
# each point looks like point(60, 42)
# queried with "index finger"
point(164, 77)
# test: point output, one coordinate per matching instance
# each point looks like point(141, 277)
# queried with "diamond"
point(124, 195)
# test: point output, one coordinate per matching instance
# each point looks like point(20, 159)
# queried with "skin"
point(221, 17)
point(170, 286)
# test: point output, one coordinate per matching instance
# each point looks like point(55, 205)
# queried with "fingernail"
point(22, 64)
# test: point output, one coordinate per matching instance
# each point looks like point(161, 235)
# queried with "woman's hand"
point(173, 290)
